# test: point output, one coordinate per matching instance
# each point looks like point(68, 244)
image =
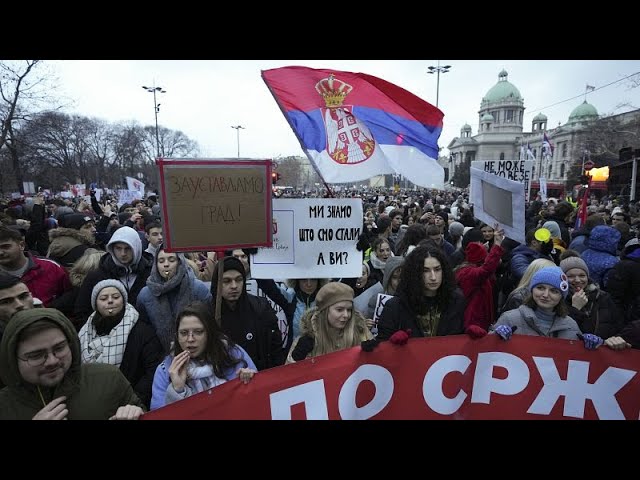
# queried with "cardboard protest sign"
point(215, 204)
point(516, 170)
point(498, 200)
point(312, 238)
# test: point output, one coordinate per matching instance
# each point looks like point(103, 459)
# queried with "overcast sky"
point(205, 98)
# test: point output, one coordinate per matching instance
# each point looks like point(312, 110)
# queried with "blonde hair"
point(88, 262)
point(329, 339)
point(533, 267)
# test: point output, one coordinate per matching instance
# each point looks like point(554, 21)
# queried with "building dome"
point(503, 90)
point(583, 113)
point(541, 117)
point(487, 117)
point(466, 127)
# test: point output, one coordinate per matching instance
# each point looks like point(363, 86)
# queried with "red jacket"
point(45, 279)
point(477, 283)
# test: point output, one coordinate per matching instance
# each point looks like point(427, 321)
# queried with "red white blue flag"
point(353, 126)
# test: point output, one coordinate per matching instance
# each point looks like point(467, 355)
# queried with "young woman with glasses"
point(203, 357)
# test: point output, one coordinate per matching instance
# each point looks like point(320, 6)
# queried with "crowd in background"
point(98, 320)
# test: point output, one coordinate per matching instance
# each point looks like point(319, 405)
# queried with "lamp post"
point(438, 70)
point(156, 109)
point(238, 127)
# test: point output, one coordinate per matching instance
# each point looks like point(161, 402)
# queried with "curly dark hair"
point(217, 353)
point(411, 286)
point(414, 234)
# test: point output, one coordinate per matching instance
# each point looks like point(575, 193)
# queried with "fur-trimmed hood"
point(64, 239)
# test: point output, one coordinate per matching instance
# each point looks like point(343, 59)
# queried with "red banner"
point(451, 377)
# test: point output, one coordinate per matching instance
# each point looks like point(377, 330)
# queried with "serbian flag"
point(353, 126)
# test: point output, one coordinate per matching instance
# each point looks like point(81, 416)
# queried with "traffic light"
point(275, 176)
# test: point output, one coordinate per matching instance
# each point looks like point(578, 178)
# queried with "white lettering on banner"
point(576, 389)
point(312, 394)
point(432, 384)
point(383, 382)
point(484, 383)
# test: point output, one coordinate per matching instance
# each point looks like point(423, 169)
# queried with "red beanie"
point(475, 252)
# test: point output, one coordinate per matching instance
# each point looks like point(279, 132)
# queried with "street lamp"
point(437, 70)
point(156, 109)
point(238, 127)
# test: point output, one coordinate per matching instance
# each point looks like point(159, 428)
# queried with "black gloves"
point(303, 348)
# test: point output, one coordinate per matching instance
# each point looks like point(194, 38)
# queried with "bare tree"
point(25, 88)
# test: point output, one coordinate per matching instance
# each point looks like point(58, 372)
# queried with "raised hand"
point(579, 299)
point(178, 371)
point(498, 234)
point(56, 409)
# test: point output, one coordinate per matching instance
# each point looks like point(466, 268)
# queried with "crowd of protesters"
point(98, 321)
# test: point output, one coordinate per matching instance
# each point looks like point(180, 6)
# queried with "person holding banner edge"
point(427, 301)
point(544, 313)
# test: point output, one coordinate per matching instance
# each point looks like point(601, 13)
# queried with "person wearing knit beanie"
point(570, 263)
point(332, 293)
point(553, 276)
point(457, 229)
point(554, 228)
point(475, 252)
point(109, 282)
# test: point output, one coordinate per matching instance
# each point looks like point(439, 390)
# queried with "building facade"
point(501, 135)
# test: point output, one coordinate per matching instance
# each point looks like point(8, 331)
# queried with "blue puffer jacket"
point(601, 257)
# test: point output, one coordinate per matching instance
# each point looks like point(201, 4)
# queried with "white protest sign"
point(516, 170)
point(253, 289)
point(383, 298)
point(498, 200)
point(128, 196)
point(312, 238)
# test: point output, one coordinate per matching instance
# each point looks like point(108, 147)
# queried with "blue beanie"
point(553, 276)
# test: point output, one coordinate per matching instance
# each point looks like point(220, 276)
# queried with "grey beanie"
point(456, 228)
point(109, 282)
point(570, 263)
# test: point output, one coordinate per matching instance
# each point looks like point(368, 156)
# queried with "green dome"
point(583, 112)
point(541, 117)
point(503, 90)
point(466, 127)
point(487, 117)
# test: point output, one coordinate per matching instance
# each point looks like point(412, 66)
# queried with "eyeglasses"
point(38, 358)
point(197, 333)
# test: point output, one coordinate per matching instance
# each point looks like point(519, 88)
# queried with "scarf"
point(107, 348)
point(201, 377)
point(181, 288)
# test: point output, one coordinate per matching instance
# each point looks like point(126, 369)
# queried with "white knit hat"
point(109, 282)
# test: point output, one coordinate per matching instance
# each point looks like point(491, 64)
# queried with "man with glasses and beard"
point(41, 367)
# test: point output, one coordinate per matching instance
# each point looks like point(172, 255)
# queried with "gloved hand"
point(401, 337)
point(303, 348)
point(505, 331)
point(474, 331)
point(591, 341)
point(369, 345)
